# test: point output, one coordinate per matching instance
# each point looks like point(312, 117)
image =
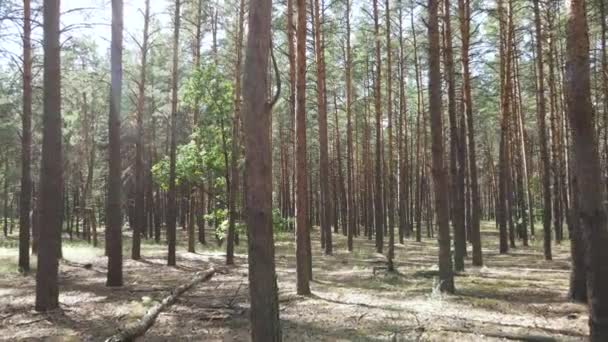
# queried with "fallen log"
point(134, 330)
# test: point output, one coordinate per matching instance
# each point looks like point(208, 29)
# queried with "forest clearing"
point(304, 170)
point(513, 297)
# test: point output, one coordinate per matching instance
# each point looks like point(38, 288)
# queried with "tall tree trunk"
point(464, 10)
point(523, 174)
point(140, 217)
point(379, 212)
point(504, 179)
point(303, 257)
point(553, 124)
point(369, 199)
point(440, 179)
point(419, 149)
point(198, 36)
point(172, 201)
point(114, 207)
point(51, 172)
point(350, 194)
point(456, 169)
point(26, 144)
point(341, 206)
point(292, 101)
point(542, 128)
point(391, 168)
point(587, 170)
point(402, 137)
point(234, 170)
point(265, 324)
point(603, 25)
point(325, 214)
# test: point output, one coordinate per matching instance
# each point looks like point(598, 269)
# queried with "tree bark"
point(391, 168)
point(26, 144)
point(456, 169)
point(140, 217)
point(265, 324)
point(114, 207)
point(172, 200)
point(234, 170)
point(464, 10)
point(440, 179)
point(379, 210)
point(138, 329)
point(51, 172)
point(350, 195)
point(303, 258)
point(325, 213)
point(544, 151)
point(587, 171)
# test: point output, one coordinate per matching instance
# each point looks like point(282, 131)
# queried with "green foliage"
point(280, 223)
point(219, 220)
point(203, 158)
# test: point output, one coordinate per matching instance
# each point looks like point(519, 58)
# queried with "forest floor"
point(518, 296)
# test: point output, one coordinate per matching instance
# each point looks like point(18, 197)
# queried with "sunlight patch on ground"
point(81, 253)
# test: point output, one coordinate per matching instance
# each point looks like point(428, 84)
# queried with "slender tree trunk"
point(419, 149)
point(379, 212)
point(464, 10)
point(403, 192)
point(139, 146)
point(5, 195)
point(325, 213)
point(303, 257)
point(114, 207)
point(391, 168)
point(603, 25)
point(198, 36)
point(172, 201)
point(440, 179)
point(523, 177)
point(26, 144)
point(200, 217)
point(340, 189)
point(234, 171)
point(350, 200)
point(544, 151)
point(456, 170)
point(51, 172)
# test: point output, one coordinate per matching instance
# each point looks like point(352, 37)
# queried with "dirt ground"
point(518, 296)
